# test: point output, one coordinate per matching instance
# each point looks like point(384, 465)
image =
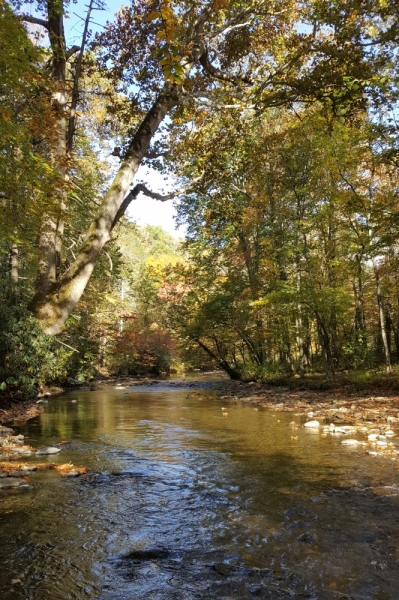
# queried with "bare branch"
point(229, 106)
point(231, 28)
point(140, 188)
point(34, 20)
point(218, 74)
point(66, 345)
point(71, 52)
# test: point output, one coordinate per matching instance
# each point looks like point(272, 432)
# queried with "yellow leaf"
point(153, 16)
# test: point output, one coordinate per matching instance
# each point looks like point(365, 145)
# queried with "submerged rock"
point(312, 424)
point(350, 442)
point(149, 554)
point(72, 473)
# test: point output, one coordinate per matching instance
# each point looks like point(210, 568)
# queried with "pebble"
point(350, 442)
point(312, 424)
point(72, 474)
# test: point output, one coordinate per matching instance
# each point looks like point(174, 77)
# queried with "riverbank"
point(11, 411)
point(17, 410)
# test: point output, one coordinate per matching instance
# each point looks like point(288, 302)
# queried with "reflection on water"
point(183, 503)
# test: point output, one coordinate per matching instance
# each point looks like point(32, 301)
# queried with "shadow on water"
point(182, 503)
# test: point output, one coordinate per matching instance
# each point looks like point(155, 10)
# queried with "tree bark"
point(53, 307)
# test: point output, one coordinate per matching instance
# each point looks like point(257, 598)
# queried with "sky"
point(143, 210)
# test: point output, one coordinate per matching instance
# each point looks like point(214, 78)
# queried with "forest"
point(276, 122)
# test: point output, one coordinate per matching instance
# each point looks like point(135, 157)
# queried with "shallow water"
point(184, 503)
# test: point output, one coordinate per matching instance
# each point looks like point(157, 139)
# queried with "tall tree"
point(176, 56)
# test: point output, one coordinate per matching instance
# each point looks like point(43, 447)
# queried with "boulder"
point(48, 450)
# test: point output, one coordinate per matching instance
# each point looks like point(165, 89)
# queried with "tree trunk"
point(223, 364)
point(327, 354)
point(52, 228)
point(14, 263)
point(298, 322)
point(300, 343)
point(382, 322)
point(55, 305)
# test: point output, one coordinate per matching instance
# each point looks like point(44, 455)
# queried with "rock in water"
point(350, 442)
point(312, 424)
point(48, 450)
point(11, 482)
point(5, 430)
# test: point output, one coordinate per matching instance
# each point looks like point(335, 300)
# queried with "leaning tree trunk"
point(223, 364)
point(54, 307)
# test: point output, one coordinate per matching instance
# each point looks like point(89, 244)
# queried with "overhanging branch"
point(34, 20)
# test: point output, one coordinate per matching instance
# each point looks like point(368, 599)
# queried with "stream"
point(183, 502)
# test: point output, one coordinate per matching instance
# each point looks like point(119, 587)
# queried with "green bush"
point(28, 357)
point(265, 373)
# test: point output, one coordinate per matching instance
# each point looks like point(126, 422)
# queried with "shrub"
point(28, 357)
